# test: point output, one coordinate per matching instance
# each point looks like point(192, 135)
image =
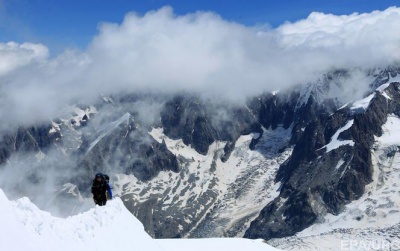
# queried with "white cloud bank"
point(356, 40)
point(197, 52)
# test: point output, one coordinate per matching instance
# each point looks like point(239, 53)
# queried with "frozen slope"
point(101, 228)
point(371, 222)
point(113, 227)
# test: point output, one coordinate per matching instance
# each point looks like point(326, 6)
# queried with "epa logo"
point(374, 244)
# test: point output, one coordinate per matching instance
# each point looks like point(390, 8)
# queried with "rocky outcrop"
point(121, 147)
point(319, 179)
point(199, 124)
point(186, 118)
point(27, 140)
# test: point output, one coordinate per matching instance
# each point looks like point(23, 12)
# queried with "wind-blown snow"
point(112, 227)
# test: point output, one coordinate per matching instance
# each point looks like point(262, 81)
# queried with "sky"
point(54, 53)
point(72, 23)
point(111, 227)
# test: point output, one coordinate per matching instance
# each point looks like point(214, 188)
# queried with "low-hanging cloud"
point(198, 52)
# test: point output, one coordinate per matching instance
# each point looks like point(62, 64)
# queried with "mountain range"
point(290, 166)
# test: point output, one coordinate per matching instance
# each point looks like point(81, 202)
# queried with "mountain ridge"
point(267, 169)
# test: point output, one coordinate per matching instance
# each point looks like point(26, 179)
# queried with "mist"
point(42, 180)
point(200, 53)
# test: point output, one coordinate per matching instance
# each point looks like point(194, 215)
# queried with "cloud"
point(13, 55)
point(356, 40)
point(198, 52)
point(163, 52)
point(34, 88)
point(203, 53)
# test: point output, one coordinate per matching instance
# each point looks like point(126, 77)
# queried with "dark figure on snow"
point(100, 188)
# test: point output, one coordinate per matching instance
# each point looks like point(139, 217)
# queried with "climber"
point(100, 188)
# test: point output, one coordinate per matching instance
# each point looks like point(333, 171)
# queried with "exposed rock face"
point(122, 147)
point(265, 169)
point(186, 119)
point(317, 180)
point(32, 139)
point(199, 125)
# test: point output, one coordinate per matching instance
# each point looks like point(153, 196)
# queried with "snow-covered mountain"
point(113, 227)
point(295, 166)
point(370, 222)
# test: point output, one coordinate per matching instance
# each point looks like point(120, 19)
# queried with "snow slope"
point(113, 227)
point(371, 222)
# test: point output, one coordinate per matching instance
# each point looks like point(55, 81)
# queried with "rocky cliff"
point(266, 168)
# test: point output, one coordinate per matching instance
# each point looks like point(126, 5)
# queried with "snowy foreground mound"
point(113, 227)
